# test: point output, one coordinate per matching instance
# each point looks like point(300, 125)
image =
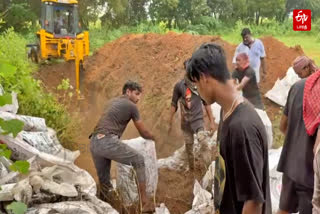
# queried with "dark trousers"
point(110, 148)
point(295, 197)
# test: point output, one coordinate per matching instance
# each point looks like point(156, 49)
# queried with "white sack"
point(30, 123)
point(178, 161)
point(125, 179)
point(162, 209)
point(12, 108)
point(208, 179)
point(41, 144)
point(275, 178)
point(92, 206)
point(202, 202)
point(280, 90)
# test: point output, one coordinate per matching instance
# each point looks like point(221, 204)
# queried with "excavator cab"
point(61, 36)
point(62, 20)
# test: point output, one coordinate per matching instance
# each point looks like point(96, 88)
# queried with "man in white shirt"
point(255, 50)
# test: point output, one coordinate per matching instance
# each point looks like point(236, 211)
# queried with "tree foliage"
point(18, 15)
point(175, 13)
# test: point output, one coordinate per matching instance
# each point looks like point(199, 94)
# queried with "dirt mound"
point(279, 59)
point(156, 61)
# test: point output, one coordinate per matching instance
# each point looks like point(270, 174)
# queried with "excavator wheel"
point(34, 55)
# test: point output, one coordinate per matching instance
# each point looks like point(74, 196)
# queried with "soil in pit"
point(156, 61)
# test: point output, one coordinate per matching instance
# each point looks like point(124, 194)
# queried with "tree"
point(19, 16)
point(164, 10)
point(137, 11)
point(88, 10)
point(221, 9)
point(273, 9)
point(239, 11)
point(314, 6)
point(117, 13)
point(4, 5)
point(199, 8)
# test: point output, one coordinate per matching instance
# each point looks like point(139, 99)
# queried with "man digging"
point(247, 80)
point(106, 144)
point(191, 116)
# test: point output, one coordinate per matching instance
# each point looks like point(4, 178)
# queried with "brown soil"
point(156, 62)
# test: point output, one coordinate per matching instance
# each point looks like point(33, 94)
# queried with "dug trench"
point(155, 61)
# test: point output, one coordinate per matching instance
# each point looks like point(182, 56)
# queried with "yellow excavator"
point(61, 36)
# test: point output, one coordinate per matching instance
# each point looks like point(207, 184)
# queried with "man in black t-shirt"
point(241, 173)
point(192, 121)
point(296, 160)
point(247, 80)
point(106, 145)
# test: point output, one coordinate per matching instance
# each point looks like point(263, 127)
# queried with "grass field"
point(309, 43)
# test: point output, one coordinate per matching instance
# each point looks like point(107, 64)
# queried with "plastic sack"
point(3, 170)
point(275, 178)
point(208, 179)
point(177, 161)
point(202, 202)
point(126, 176)
point(69, 175)
point(6, 192)
point(13, 108)
point(30, 123)
point(216, 108)
point(268, 125)
point(204, 148)
point(58, 180)
point(162, 209)
point(92, 205)
point(41, 144)
point(280, 90)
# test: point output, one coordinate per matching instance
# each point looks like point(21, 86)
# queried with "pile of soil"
point(156, 61)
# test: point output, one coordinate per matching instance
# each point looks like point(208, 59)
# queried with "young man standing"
point(241, 173)
point(106, 144)
point(255, 50)
point(191, 115)
point(247, 80)
point(296, 160)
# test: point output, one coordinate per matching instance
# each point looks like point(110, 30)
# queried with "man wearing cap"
point(191, 115)
point(254, 49)
point(296, 160)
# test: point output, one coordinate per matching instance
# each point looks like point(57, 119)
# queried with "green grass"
point(310, 45)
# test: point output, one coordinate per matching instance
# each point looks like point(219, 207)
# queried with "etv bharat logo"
point(301, 20)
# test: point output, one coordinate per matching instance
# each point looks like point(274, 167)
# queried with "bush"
point(32, 99)
point(197, 29)
point(210, 22)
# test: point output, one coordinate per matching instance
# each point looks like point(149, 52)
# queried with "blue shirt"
point(255, 53)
